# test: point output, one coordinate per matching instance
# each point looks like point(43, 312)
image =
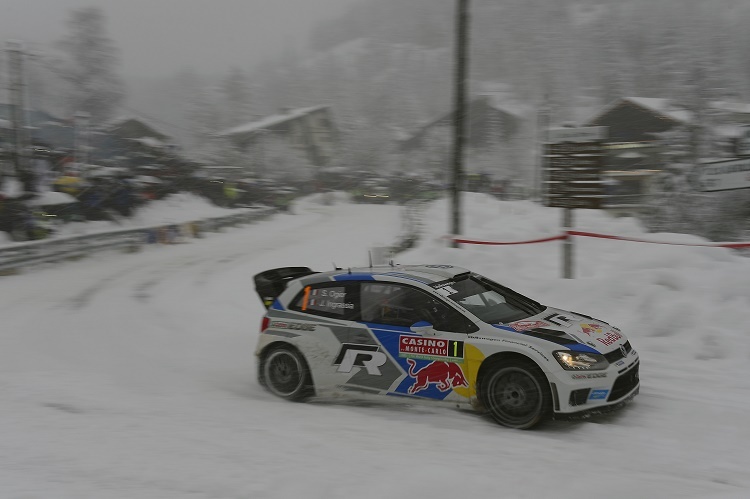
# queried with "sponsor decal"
point(444, 375)
point(540, 353)
point(325, 299)
point(367, 356)
point(442, 284)
point(515, 342)
point(530, 347)
point(445, 288)
point(292, 325)
point(598, 394)
point(588, 375)
point(416, 347)
point(609, 338)
point(620, 363)
point(560, 320)
point(587, 329)
point(526, 325)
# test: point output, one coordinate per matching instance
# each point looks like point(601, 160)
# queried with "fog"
point(156, 38)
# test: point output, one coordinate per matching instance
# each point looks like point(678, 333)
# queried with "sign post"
point(573, 176)
point(725, 175)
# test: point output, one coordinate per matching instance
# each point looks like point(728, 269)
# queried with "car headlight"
point(581, 361)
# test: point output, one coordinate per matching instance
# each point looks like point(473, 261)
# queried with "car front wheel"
point(285, 374)
point(516, 394)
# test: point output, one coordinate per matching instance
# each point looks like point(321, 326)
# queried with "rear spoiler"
point(272, 283)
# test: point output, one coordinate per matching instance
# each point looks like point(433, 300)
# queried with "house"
point(632, 146)
point(134, 138)
point(309, 129)
point(492, 118)
point(638, 119)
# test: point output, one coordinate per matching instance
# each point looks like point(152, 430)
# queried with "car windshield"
point(487, 300)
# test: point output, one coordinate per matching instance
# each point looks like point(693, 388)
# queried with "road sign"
point(573, 168)
point(573, 161)
point(725, 175)
point(570, 202)
point(583, 148)
point(576, 188)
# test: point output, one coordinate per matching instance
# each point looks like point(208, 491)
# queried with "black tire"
point(285, 373)
point(516, 394)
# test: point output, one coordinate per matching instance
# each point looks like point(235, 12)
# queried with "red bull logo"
point(446, 375)
point(591, 328)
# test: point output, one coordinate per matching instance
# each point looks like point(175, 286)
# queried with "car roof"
point(426, 274)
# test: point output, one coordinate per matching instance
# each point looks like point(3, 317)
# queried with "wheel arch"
point(494, 359)
point(274, 346)
point(500, 358)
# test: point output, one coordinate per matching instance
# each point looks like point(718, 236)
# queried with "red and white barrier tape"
point(636, 240)
point(593, 234)
point(497, 243)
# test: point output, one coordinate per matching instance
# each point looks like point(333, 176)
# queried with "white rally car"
point(438, 332)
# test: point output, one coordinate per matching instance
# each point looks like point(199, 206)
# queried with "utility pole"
point(462, 44)
point(16, 93)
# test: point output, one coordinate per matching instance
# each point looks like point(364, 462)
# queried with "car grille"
point(624, 384)
point(613, 357)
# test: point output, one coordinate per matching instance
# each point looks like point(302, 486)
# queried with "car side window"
point(400, 305)
point(326, 299)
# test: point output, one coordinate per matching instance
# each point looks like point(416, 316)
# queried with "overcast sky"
point(158, 37)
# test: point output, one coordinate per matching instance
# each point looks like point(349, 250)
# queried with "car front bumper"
point(583, 398)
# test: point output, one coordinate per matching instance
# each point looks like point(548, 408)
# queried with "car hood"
point(569, 329)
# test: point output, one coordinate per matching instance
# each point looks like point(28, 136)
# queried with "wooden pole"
point(459, 140)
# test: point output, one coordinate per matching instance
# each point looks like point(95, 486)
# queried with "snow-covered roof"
point(115, 122)
point(503, 102)
point(269, 121)
point(663, 107)
point(655, 104)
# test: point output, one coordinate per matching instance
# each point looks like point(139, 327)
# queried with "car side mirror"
point(424, 328)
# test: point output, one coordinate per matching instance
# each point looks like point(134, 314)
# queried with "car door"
point(431, 358)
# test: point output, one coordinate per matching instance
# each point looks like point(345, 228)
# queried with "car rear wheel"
point(285, 374)
point(516, 394)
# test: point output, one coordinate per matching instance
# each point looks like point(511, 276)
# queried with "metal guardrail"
point(17, 256)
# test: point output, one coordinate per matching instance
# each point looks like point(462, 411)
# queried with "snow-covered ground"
point(133, 375)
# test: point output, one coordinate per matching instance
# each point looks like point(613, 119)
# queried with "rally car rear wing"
point(272, 283)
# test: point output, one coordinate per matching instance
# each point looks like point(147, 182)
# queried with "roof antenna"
point(369, 254)
point(350, 270)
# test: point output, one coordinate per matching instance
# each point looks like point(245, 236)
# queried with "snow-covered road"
point(133, 376)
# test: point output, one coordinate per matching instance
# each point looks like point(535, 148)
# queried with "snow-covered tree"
point(236, 98)
point(90, 66)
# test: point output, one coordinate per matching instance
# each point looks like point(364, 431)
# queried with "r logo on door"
point(367, 356)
